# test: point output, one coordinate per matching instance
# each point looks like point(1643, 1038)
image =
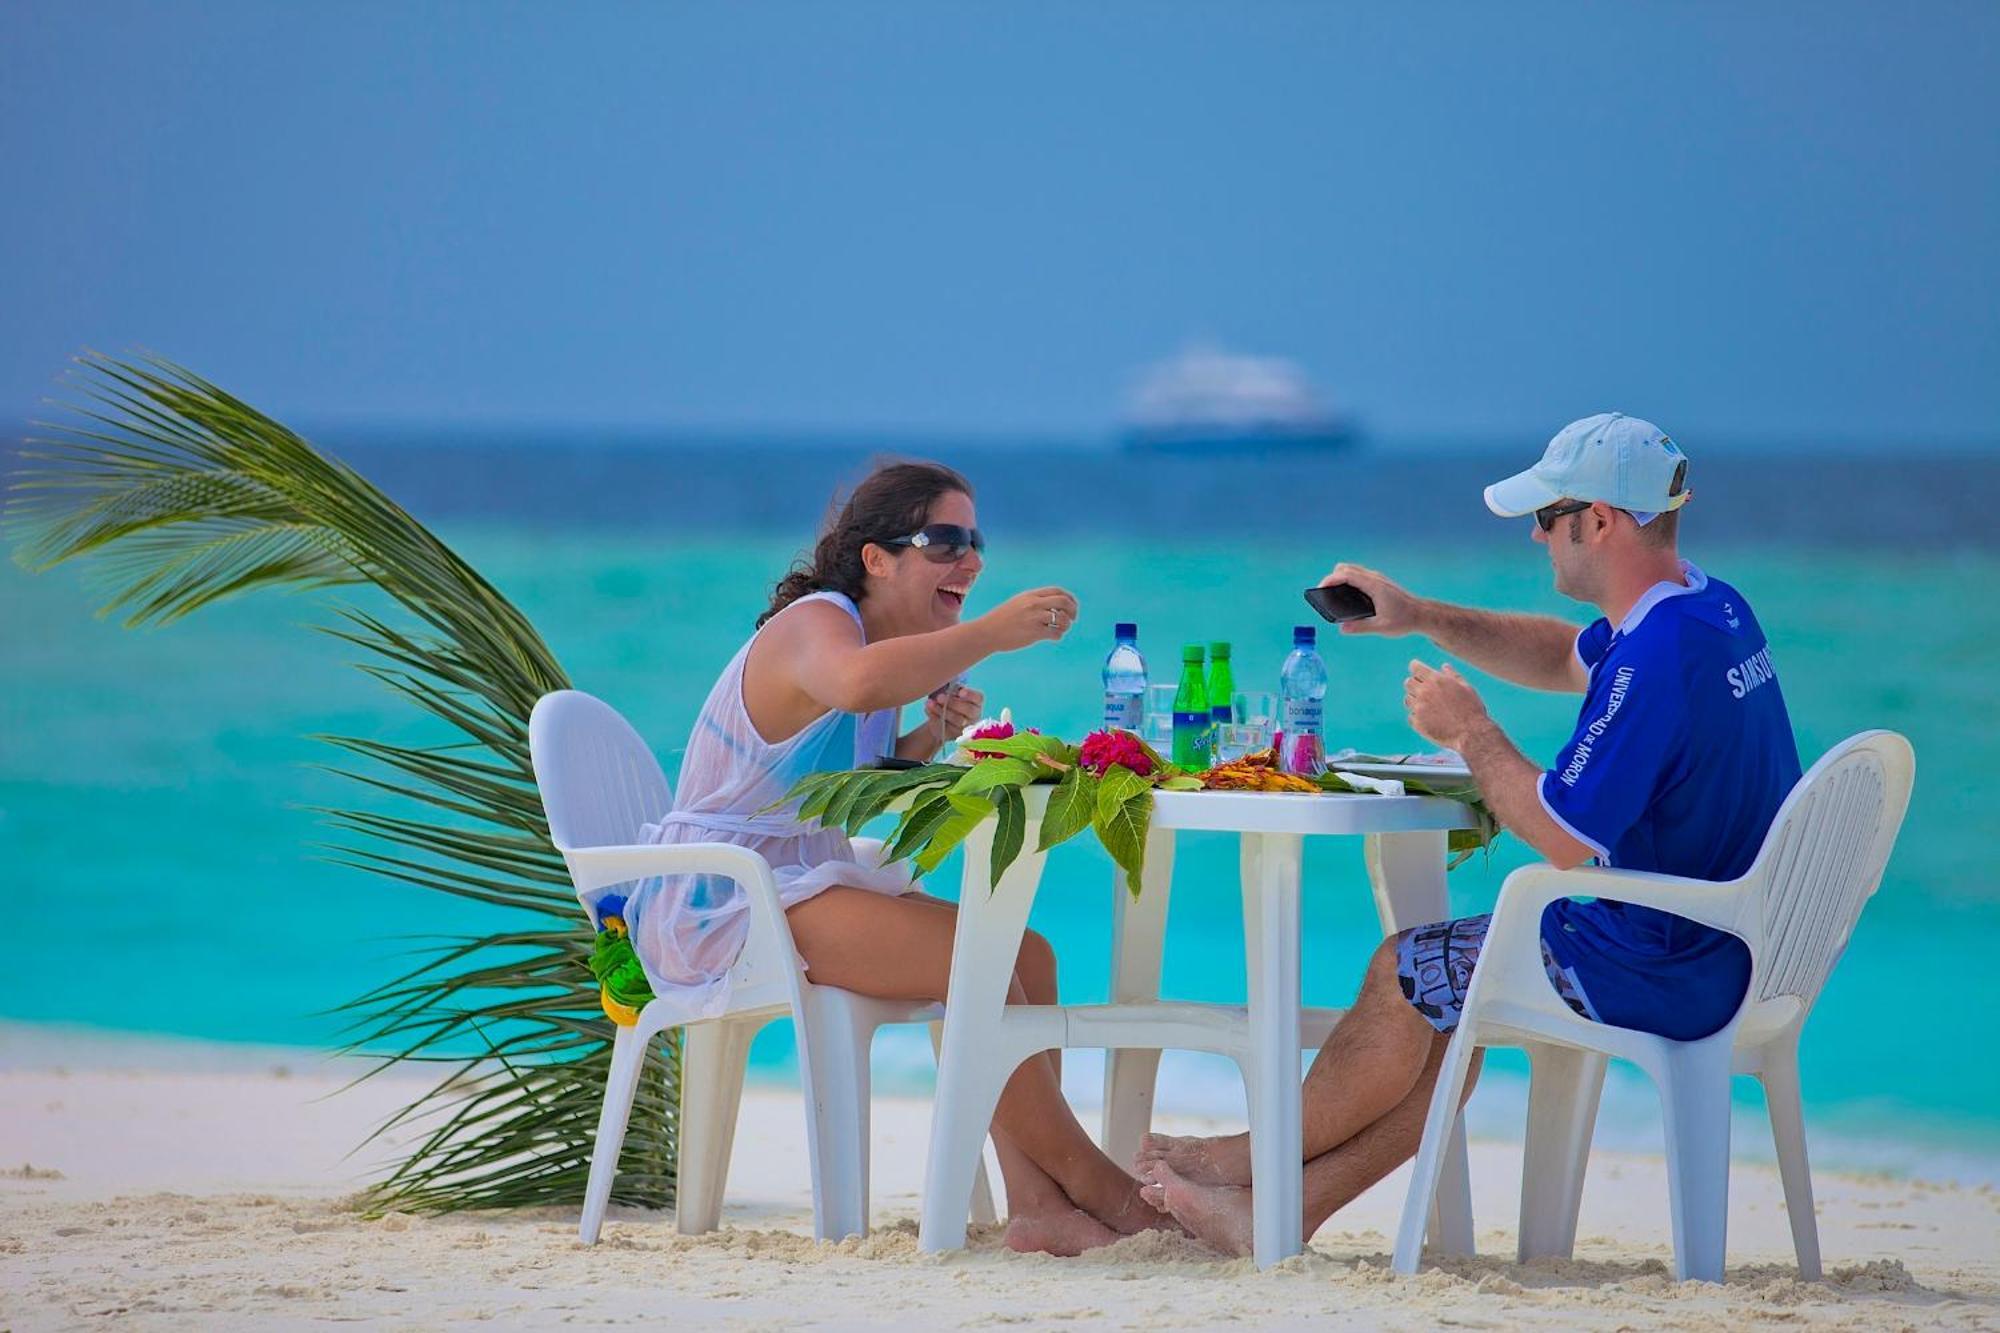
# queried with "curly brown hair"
point(890, 502)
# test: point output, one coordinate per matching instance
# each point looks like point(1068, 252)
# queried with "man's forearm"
point(1508, 780)
point(1536, 651)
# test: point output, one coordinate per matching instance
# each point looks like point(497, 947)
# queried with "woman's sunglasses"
point(942, 543)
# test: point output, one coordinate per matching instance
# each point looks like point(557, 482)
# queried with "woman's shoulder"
point(830, 597)
point(803, 633)
point(781, 663)
point(816, 611)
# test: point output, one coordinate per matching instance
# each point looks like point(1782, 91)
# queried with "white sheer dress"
point(689, 929)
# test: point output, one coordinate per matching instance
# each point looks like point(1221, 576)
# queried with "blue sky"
point(1773, 221)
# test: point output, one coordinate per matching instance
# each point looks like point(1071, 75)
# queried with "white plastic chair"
point(1795, 907)
point(599, 783)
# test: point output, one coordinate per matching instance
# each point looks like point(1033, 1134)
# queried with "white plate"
point(1436, 773)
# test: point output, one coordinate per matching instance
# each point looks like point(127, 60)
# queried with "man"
point(1681, 757)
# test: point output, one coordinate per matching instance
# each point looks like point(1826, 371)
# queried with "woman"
point(870, 623)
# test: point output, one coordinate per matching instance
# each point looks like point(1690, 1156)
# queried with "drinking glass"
point(1256, 714)
point(1157, 729)
point(1233, 740)
point(1255, 708)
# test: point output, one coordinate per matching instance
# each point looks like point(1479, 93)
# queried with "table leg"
point(972, 1065)
point(1270, 869)
point(1407, 872)
point(1138, 934)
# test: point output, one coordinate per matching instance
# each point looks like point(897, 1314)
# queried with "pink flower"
point(990, 731)
point(1102, 749)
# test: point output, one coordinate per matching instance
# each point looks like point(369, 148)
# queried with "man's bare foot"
point(1066, 1232)
point(1217, 1161)
point(1217, 1215)
point(1137, 1215)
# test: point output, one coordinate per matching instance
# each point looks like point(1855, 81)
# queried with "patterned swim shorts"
point(1435, 964)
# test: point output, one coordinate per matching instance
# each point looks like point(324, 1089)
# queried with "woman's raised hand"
point(950, 709)
point(1031, 617)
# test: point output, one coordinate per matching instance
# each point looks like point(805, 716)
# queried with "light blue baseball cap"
point(1627, 463)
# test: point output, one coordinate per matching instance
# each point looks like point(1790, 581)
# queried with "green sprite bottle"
point(1192, 722)
point(1221, 690)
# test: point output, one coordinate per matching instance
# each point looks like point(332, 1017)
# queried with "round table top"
point(1303, 813)
point(1330, 813)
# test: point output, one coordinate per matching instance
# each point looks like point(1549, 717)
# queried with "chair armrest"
point(1529, 891)
point(593, 868)
point(1510, 988)
point(600, 867)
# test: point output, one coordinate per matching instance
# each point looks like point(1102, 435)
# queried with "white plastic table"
point(985, 1039)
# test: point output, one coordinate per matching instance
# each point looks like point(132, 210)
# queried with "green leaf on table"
point(1117, 786)
point(1467, 792)
point(1124, 811)
point(821, 792)
point(967, 813)
point(811, 806)
point(882, 795)
point(990, 773)
point(917, 825)
point(812, 792)
point(853, 792)
point(1464, 842)
point(1181, 782)
point(1070, 807)
point(1010, 831)
point(857, 794)
point(851, 788)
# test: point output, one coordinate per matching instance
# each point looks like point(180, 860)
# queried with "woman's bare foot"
point(1216, 1215)
point(1066, 1232)
point(1217, 1161)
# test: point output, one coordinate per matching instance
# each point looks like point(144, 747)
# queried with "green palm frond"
point(179, 495)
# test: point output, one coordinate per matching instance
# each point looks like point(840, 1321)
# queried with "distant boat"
point(1206, 398)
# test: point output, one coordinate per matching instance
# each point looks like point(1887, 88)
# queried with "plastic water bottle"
point(1125, 680)
point(1193, 726)
point(1301, 707)
point(1221, 687)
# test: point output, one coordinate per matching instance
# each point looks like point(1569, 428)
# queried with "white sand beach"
point(214, 1195)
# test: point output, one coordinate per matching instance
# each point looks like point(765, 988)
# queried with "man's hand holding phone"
point(1396, 612)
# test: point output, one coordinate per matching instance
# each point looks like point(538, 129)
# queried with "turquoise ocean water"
point(154, 785)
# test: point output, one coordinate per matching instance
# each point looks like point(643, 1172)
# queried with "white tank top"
point(689, 929)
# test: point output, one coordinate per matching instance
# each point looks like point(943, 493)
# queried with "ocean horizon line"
point(1935, 501)
point(1366, 440)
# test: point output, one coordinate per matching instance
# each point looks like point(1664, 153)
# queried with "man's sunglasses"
point(942, 543)
point(1547, 515)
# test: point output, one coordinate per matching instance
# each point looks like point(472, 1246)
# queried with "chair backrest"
point(599, 781)
point(1823, 858)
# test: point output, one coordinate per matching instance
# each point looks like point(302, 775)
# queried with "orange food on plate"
point(1256, 771)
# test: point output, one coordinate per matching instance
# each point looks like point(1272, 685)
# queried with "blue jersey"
point(1682, 754)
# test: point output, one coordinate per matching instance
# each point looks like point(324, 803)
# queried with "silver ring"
point(1055, 618)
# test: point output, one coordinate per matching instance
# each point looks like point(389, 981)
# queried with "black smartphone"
point(1342, 601)
point(891, 761)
